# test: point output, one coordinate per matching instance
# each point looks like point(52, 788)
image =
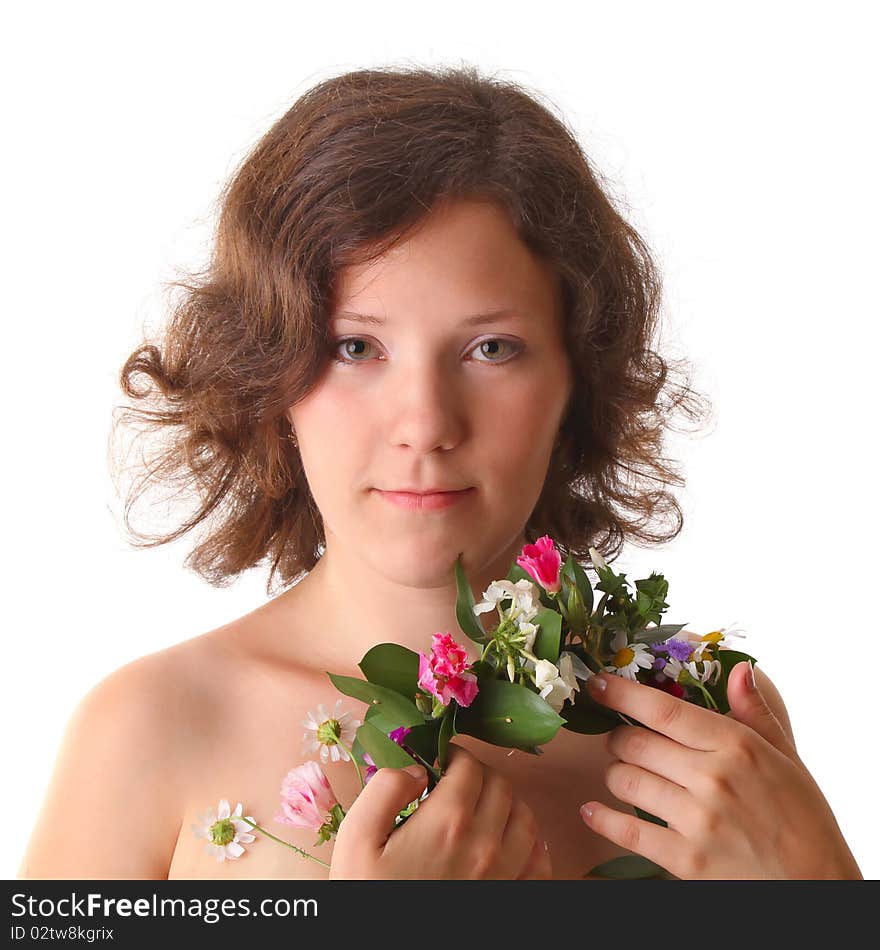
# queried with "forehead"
point(465, 260)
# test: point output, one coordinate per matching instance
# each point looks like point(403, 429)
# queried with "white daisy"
point(324, 731)
point(718, 638)
point(628, 658)
point(711, 670)
point(225, 832)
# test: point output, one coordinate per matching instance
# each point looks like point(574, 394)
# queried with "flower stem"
point(354, 761)
point(269, 834)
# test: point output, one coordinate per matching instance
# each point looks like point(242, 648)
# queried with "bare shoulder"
point(112, 808)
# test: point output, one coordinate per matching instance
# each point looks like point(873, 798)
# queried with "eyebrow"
point(477, 319)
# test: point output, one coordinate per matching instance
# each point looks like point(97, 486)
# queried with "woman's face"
point(426, 399)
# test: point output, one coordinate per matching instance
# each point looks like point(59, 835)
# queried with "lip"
point(428, 501)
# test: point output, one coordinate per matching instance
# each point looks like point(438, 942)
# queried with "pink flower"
point(443, 673)
point(306, 797)
point(543, 562)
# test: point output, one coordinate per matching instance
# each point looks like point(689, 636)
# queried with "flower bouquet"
point(550, 633)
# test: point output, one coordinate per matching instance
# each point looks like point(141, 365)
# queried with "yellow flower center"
point(623, 657)
point(716, 636)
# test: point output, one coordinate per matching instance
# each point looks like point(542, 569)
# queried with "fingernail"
point(597, 682)
point(416, 771)
point(546, 846)
point(750, 679)
point(586, 811)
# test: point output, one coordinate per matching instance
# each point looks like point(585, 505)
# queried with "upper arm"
point(111, 809)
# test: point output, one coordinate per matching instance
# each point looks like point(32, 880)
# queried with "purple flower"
point(659, 663)
point(397, 735)
point(678, 649)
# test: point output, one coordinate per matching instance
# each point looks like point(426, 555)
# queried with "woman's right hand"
point(471, 826)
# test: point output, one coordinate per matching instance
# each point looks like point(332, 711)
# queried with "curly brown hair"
point(347, 172)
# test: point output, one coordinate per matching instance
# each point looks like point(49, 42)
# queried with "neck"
point(346, 605)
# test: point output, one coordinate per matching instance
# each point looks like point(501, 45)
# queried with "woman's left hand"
point(737, 799)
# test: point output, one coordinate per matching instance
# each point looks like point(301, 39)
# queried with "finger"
point(539, 866)
point(518, 839)
point(462, 782)
point(374, 810)
point(655, 753)
point(748, 706)
point(663, 846)
point(651, 793)
point(685, 722)
point(493, 808)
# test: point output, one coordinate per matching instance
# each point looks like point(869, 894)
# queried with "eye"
point(508, 344)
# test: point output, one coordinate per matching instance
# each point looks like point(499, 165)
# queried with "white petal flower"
point(324, 730)
point(597, 559)
point(523, 594)
point(628, 658)
point(719, 637)
point(529, 632)
point(225, 832)
point(571, 666)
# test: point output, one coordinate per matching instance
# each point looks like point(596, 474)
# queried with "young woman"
point(419, 293)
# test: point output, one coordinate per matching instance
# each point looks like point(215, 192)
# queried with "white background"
point(742, 139)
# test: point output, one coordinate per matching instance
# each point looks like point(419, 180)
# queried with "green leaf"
point(647, 816)
point(588, 717)
point(627, 867)
point(423, 739)
point(382, 718)
point(398, 709)
point(579, 717)
point(447, 731)
point(548, 637)
point(576, 573)
point(385, 752)
point(392, 666)
point(464, 606)
point(532, 720)
point(517, 573)
point(656, 634)
point(357, 750)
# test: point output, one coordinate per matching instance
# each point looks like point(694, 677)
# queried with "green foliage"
point(631, 867)
point(399, 709)
point(464, 606)
point(392, 666)
point(385, 752)
point(548, 637)
point(509, 715)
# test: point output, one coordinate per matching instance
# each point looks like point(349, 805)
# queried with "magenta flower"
point(543, 562)
point(444, 672)
point(306, 797)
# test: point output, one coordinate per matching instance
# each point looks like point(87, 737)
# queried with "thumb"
point(749, 707)
point(373, 812)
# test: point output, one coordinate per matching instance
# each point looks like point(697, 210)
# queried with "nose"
point(426, 409)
